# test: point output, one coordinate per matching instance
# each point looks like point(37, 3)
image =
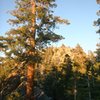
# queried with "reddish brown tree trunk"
point(30, 80)
point(31, 65)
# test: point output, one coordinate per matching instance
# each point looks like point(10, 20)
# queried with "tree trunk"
point(88, 83)
point(75, 86)
point(31, 65)
point(30, 80)
point(93, 82)
point(89, 87)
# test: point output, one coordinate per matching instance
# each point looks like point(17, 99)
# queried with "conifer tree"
point(33, 23)
point(79, 58)
point(97, 23)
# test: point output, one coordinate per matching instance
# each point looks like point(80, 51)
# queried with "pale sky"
point(81, 14)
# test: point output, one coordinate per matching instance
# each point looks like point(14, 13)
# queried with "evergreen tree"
point(97, 63)
point(97, 23)
point(79, 69)
point(33, 23)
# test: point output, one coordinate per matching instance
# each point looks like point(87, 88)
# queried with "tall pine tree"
point(97, 23)
point(34, 25)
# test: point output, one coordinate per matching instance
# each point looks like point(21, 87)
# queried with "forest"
point(33, 69)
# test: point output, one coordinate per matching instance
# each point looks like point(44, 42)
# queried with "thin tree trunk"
point(75, 87)
point(88, 82)
point(31, 65)
point(93, 82)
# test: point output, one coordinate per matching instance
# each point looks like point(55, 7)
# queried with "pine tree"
point(33, 23)
point(79, 58)
point(97, 23)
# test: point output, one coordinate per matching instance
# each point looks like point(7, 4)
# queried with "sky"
point(80, 13)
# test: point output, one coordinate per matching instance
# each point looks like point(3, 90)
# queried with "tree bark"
point(31, 65)
point(75, 86)
point(30, 82)
point(88, 82)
